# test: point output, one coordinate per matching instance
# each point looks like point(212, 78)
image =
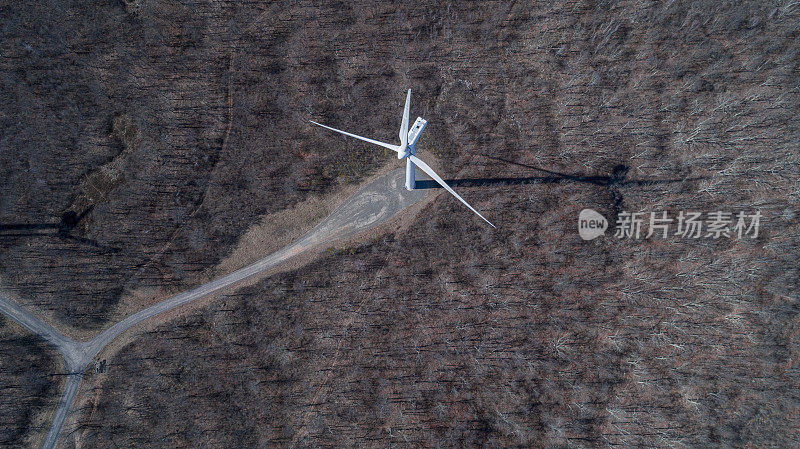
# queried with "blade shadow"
point(27, 227)
point(617, 177)
point(62, 236)
point(484, 182)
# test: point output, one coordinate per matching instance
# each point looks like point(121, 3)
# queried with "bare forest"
point(30, 381)
point(141, 139)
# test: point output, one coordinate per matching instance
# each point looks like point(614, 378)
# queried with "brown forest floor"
point(31, 378)
point(446, 333)
point(463, 336)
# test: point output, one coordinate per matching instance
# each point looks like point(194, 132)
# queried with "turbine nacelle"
point(413, 135)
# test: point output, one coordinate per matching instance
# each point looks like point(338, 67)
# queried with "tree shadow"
point(63, 230)
point(618, 178)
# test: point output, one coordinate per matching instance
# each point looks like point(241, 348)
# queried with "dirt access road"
point(370, 206)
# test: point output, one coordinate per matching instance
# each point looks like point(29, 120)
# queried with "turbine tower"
point(408, 140)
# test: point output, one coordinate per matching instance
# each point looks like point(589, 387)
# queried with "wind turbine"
point(408, 140)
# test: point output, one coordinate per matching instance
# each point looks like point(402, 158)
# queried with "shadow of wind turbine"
point(63, 230)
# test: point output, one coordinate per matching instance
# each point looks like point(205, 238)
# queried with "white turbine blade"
point(436, 178)
point(385, 145)
point(404, 123)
